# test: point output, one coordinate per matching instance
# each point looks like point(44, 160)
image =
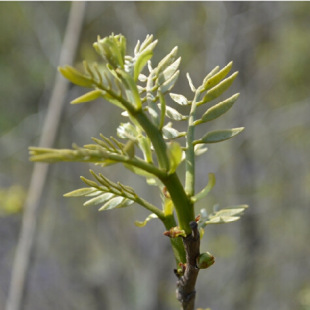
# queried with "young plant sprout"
point(141, 91)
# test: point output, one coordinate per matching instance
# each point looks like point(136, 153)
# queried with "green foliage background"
point(89, 260)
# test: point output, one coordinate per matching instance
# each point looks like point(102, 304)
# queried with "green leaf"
point(116, 202)
point(190, 82)
point(142, 57)
point(200, 149)
point(168, 206)
point(180, 99)
point(75, 76)
point(130, 85)
point(162, 106)
point(145, 146)
point(85, 191)
point(217, 77)
point(171, 133)
point(167, 60)
point(112, 99)
point(99, 199)
point(138, 171)
point(168, 72)
point(112, 49)
point(175, 154)
point(90, 96)
point(217, 90)
point(149, 218)
point(148, 40)
point(127, 131)
point(219, 135)
point(228, 215)
point(217, 110)
point(169, 83)
point(209, 75)
point(174, 114)
point(89, 182)
point(206, 190)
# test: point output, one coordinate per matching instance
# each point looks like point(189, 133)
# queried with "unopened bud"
point(205, 260)
point(175, 232)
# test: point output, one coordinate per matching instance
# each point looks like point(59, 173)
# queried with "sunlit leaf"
point(85, 191)
point(112, 99)
point(209, 75)
point(226, 215)
point(112, 49)
point(142, 78)
point(75, 76)
point(171, 133)
point(90, 96)
point(174, 114)
point(217, 90)
point(142, 58)
point(219, 135)
point(200, 149)
point(169, 72)
point(116, 202)
point(217, 77)
point(149, 218)
point(98, 200)
point(203, 193)
point(217, 110)
point(190, 82)
point(168, 207)
point(131, 87)
point(146, 42)
point(180, 99)
point(89, 182)
point(138, 171)
point(145, 144)
point(167, 60)
point(169, 83)
point(127, 131)
point(175, 153)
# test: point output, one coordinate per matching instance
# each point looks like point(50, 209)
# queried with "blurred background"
point(88, 260)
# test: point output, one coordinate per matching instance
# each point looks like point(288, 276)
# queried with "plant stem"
point(155, 136)
point(190, 154)
point(182, 203)
point(176, 243)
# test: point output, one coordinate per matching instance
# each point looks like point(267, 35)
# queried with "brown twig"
point(186, 283)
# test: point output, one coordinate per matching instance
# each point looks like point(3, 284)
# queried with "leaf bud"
point(205, 260)
point(175, 232)
point(113, 49)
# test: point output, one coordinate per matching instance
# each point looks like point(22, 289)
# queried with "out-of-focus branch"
point(29, 225)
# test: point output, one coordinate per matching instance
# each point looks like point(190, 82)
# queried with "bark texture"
point(186, 292)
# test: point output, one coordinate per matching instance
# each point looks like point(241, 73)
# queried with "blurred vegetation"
point(88, 260)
